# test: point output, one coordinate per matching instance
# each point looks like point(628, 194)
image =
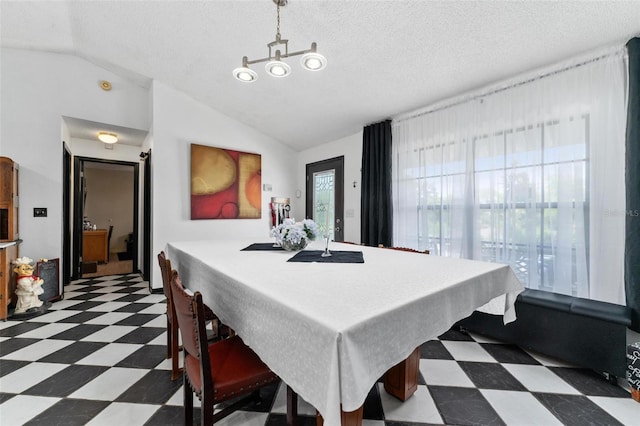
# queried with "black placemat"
point(262, 247)
point(336, 257)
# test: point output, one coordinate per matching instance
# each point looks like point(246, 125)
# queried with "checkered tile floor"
point(97, 357)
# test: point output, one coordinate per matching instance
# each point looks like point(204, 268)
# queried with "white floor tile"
point(109, 318)
point(467, 351)
point(280, 403)
point(537, 378)
point(153, 298)
point(372, 422)
point(122, 413)
point(419, 408)
point(442, 372)
point(38, 350)
point(71, 294)
point(54, 316)
point(108, 306)
point(65, 304)
point(625, 410)
point(48, 330)
point(110, 384)
point(22, 408)
point(519, 408)
point(159, 322)
point(107, 289)
point(178, 399)
point(244, 418)
point(112, 279)
point(162, 338)
point(109, 334)
point(158, 308)
point(110, 354)
point(29, 375)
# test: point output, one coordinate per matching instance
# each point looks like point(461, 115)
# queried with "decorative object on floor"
point(28, 287)
point(49, 271)
point(633, 373)
point(311, 59)
point(225, 184)
point(294, 236)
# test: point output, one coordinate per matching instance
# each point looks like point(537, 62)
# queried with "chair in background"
point(173, 346)
point(216, 372)
point(109, 242)
point(405, 249)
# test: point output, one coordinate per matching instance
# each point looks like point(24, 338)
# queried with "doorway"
point(105, 217)
point(325, 196)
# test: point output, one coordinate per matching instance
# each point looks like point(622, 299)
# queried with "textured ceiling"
point(384, 57)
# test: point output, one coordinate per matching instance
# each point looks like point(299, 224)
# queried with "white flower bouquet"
point(292, 235)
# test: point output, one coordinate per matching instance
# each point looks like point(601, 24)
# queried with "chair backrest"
point(189, 313)
point(165, 272)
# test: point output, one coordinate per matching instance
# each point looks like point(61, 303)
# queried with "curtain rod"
point(497, 88)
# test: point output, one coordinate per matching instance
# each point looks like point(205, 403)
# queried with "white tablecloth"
point(331, 330)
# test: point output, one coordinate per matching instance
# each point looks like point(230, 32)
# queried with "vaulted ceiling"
point(384, 57)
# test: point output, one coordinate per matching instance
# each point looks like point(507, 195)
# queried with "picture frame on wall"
point(225, 183)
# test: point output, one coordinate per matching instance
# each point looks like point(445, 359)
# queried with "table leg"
point(292, 407)
point(401, 381)
point(351, 418)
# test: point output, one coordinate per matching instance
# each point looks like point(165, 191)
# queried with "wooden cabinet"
point(8, 200)
point(8, 253)
point(94, 246)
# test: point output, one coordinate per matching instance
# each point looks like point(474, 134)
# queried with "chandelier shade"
point(311, 60)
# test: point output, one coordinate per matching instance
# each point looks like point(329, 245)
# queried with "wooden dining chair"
point(173, 347)
point(216, 372)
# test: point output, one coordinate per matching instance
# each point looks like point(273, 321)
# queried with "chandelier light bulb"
point(313, 61)
point(244, 74)
point(278, 69)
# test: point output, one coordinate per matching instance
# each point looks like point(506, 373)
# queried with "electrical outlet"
point(39, 212)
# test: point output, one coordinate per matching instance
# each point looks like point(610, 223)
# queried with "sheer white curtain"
point(529, 173)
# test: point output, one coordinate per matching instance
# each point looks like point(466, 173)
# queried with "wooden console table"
point(8, 253)
point(94, 246)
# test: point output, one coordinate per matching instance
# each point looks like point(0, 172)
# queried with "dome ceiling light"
point(275, 67)
point(108, 137)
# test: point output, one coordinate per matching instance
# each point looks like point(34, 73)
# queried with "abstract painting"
point(225, 184)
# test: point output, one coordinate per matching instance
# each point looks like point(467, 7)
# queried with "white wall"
point(351, 148)
point(38, 89)
point(178, 122)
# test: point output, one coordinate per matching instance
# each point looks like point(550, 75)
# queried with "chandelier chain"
point(278, 17)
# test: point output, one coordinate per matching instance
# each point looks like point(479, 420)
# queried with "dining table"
point(331, 327)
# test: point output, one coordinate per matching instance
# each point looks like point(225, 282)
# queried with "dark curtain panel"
point(376, 209)
point(632, 182)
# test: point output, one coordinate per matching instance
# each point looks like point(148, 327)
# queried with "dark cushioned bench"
point(580, 331)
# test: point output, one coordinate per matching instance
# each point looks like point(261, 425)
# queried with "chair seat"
point(235, 369)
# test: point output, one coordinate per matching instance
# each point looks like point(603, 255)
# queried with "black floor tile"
point(464, 406)
point(14, 344)
point(69, 412)
point(84, 296)
point(509, 354)
point(6, 396)
point(148, 356)
point(131, 298)
point(73, 353)
point(281, 420)
point(66, 381)
point(128, 289)
point(167, 415)
point(590, 383)
point(21, 328)
point(142, 335)
point(489, 375)
point(9, 366)
point(134, 307)
point(82, 317)
point(85, 306)
point(434, 349)
point(138, 319)
point(576, 410)
point(155, 387)
point(457, 335)
point(267, 396)
point(78, 332)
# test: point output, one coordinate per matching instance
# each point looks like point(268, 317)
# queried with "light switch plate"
point(39, 212)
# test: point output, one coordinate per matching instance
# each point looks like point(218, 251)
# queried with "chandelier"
point(311, 60)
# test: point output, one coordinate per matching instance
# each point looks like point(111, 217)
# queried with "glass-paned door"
point(325, 196)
